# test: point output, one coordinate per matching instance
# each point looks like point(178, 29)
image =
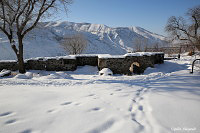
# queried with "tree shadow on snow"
point(189, 84)
point(154, 79)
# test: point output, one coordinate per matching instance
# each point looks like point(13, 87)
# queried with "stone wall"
point(159, 58)
point(52, 64)
point(91, 60)
point(118, 64)
point(39, 64)
point(9, 65)
point(122, 65)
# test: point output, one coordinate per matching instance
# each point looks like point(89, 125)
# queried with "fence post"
point(193, 65)
point(179, 53)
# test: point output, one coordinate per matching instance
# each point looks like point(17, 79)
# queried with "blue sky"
point(149, 14)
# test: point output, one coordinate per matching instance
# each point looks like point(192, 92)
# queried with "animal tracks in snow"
point(118, 90)
point(140, 107)
point(95, 109)
point(11, 121)
point(27, 131)
point(7, 118)
point(66, 103)
point(141, 111)
point(51, 111)
point(90, 95)
point(8, 114)
point(5, 114)
point(61, 106)
point(137, 109)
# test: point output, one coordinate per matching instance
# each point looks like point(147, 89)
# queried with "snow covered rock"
point(29, 74)
point(21, 76)
point(5, 72)
point(54, 75)
point(105, 72)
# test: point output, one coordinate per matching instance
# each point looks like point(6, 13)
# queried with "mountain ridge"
point(44, 40)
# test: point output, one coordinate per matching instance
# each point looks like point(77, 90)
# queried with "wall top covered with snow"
point(85, 55)
point(110, 56)
point(7, 61)
point(143, 53)
point(90, 55)
point(129, 54)
point(57, 58)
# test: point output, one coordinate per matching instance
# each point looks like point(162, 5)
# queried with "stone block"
point(87, 60)
point(9, 65)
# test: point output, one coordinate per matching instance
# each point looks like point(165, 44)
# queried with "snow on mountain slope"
point(44, 40)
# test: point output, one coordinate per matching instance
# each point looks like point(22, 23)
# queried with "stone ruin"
point(119, 64)
point(130, 63)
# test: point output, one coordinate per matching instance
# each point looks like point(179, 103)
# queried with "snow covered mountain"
point(45, 39)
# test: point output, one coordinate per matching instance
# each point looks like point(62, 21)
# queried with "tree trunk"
point(20, 55)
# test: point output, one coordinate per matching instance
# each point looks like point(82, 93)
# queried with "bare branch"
point(42, 10)
point(18, 17)
point(74, 44)
point(189, 32)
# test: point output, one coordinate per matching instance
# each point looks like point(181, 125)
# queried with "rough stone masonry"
point(119, 64)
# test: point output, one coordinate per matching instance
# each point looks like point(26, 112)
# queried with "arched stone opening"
point(135, 68)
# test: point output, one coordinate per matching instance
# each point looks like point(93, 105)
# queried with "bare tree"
point(74, 44)
point(186, 31)
point(18, 17)
point(156, 46)
point(140, 44)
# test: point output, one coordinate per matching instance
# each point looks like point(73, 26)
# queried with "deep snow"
point(165, 99)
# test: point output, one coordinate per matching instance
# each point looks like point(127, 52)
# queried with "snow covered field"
point(166, 99)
